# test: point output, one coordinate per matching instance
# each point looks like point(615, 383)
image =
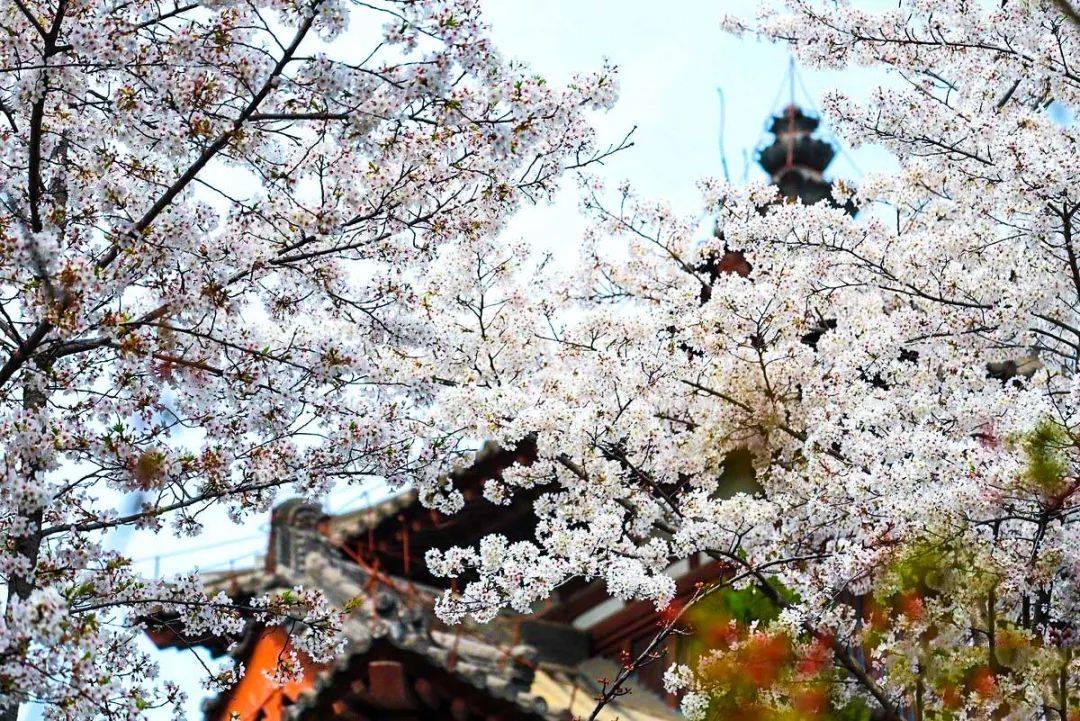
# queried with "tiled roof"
point(355, 523)
point(396, 611)
point(386, 614)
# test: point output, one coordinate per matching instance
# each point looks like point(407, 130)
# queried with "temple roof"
point(392, 623)
point(398, 531)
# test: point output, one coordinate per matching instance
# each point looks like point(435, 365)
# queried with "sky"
point(673, 66)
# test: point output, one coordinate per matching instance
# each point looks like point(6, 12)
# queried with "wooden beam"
point(389, 687)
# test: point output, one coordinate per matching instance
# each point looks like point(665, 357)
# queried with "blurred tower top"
point(796, 159)
point(793, 119)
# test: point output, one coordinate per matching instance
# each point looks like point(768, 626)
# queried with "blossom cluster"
point(214, 219)
point(901, 379)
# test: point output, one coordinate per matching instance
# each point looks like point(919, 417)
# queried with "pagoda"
point(796, 159)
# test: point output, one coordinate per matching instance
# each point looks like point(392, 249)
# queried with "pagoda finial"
point(791, 80)
point(796, 160)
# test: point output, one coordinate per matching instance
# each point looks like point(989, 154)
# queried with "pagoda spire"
point(795, 159)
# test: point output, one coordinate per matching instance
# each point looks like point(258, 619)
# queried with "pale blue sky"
point(673, 58)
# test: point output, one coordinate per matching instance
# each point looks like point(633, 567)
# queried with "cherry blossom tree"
point(905, 381)
point(213, 219)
